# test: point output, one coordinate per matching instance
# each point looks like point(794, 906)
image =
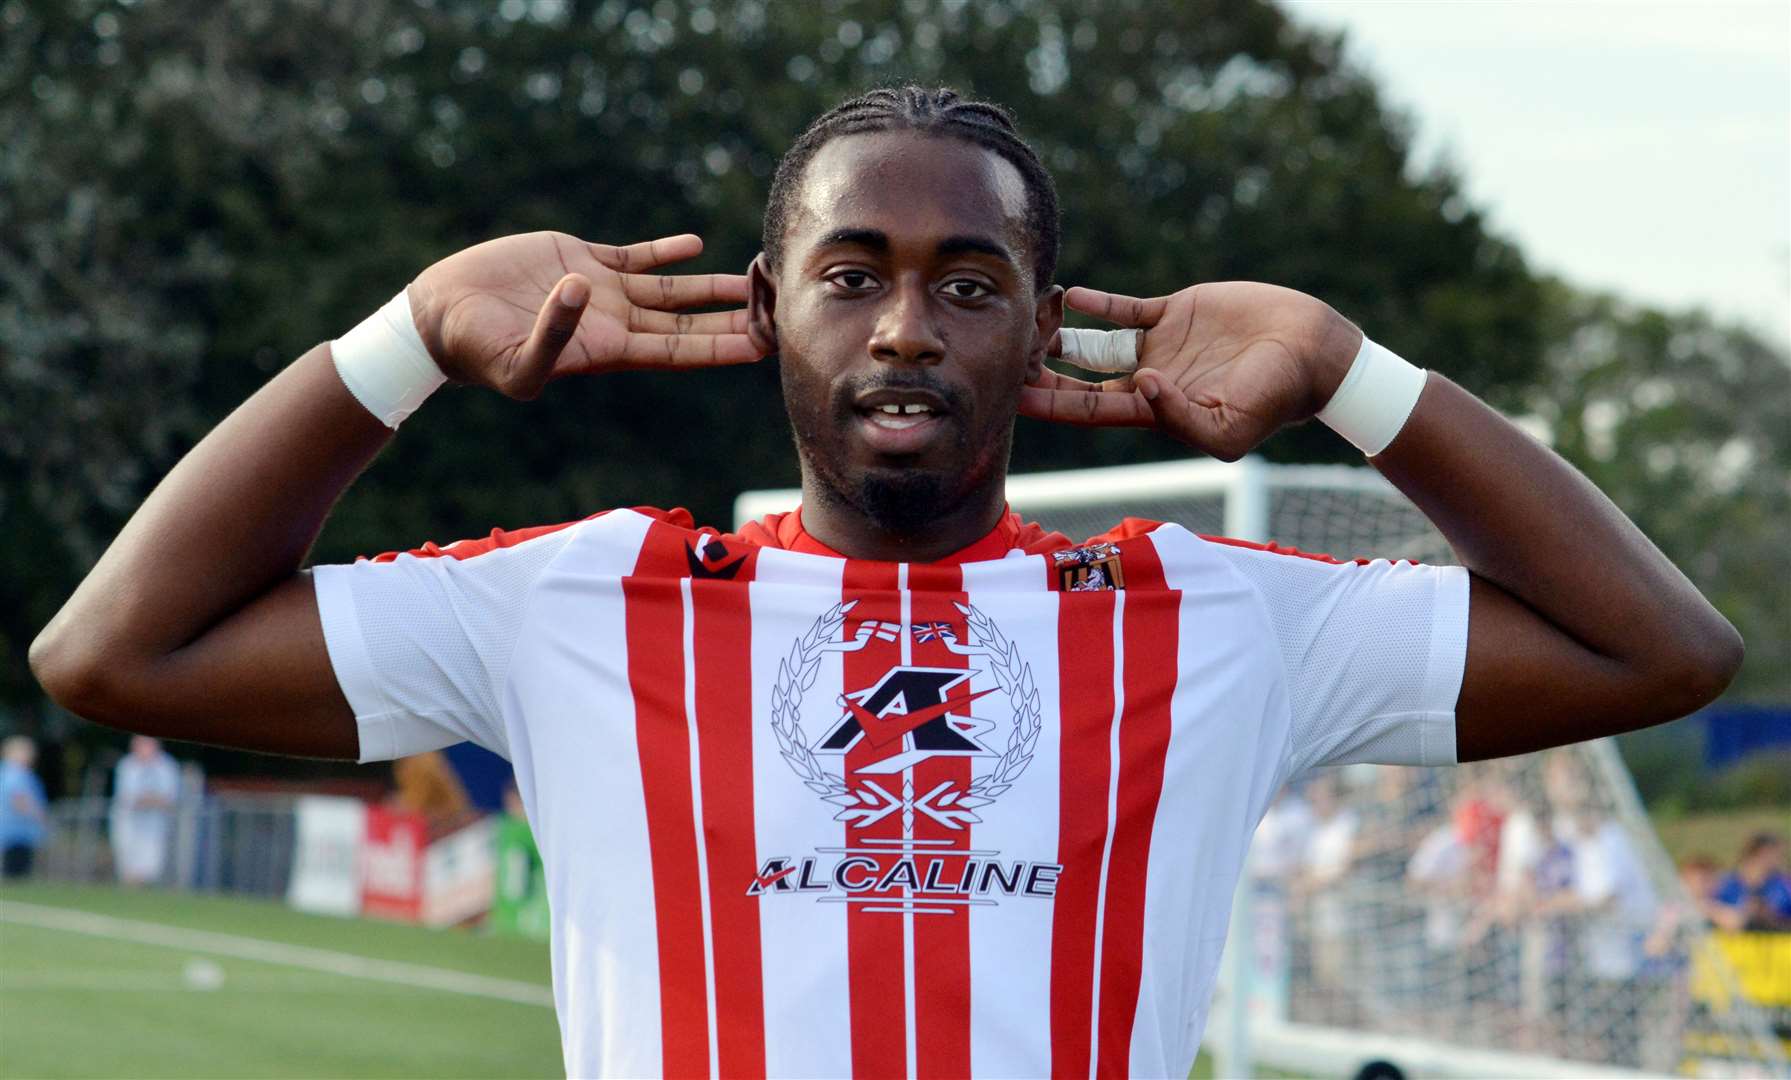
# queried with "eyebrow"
point(877, 240)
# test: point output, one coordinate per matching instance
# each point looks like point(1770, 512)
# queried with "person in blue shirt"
point(21, 807)
point(1758, 892)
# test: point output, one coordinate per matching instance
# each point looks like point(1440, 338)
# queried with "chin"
point(904, 501)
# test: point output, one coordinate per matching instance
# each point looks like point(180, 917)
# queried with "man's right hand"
point(512, 313)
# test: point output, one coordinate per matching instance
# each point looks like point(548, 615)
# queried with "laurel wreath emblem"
point(796, 674)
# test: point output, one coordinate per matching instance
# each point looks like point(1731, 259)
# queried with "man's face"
point(907, 320)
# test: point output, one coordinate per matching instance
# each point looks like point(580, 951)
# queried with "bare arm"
point(1579, 626)
point(198, 623)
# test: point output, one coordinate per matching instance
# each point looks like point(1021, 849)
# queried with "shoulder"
point(501, 539)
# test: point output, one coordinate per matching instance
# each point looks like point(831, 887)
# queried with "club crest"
point(1091, 568)
point(906, 715)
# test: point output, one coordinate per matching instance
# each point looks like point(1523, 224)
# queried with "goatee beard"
point(901, 502)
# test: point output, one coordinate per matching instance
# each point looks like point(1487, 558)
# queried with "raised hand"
point(1221, 366)
point(514, 312)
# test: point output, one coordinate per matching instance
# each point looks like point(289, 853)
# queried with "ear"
point(761, 305)
point(1047, 319)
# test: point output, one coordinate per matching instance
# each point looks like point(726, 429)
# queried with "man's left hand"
point(1221, 366)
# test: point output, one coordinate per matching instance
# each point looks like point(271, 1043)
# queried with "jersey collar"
point(1008, 534)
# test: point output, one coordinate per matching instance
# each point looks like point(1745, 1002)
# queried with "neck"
point(854, 534)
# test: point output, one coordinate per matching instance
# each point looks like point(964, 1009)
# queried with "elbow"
point(76, 678)
point(1706, 663)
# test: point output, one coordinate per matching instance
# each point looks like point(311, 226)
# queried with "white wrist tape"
point(1375, 399)
point(385, 364)
point(1101, 350)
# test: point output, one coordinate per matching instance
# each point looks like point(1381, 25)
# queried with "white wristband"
point(385, 364)
point(1375, 399)
point(1100, 350)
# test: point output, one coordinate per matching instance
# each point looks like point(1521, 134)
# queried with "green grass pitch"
point(77, 1005)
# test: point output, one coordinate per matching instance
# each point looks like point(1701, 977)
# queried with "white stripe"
point(808, 1033)
point(1011, 944)
point(1119, 707)
point(1218, 771)
point(696, 809)
point(908, 1006)
point(419, 976)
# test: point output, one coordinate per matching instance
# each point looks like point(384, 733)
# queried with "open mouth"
point(899, 417)
point(900, 421)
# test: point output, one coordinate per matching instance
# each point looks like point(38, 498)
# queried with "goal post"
point(1512, 918)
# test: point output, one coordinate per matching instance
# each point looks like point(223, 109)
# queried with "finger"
point(1057, 380)
point(1116, 307)
point(688, 350)
point(665, 292)
point(1085, 407)
point(648, 253)
point(554, 327)
point(1214, 428)
point(647, 320)
point(1109, 351)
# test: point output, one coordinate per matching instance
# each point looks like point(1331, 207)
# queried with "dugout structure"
point(1514, 918)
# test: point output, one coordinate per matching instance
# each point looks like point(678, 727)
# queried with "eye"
point(967, 289)
point(853, 280)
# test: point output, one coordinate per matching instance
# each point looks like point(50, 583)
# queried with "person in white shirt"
point(145, 789)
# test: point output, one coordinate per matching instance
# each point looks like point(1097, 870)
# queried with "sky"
point(1638, 147)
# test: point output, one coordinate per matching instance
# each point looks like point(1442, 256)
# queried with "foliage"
point(1687, 426)
point(194, 193)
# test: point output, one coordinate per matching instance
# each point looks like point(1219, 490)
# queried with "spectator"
point(1607, 906)
point(1330, 845)
point(427, 785)
point(21, 807)
point(1279, 845)
point(144, 789)
point(1757, 895)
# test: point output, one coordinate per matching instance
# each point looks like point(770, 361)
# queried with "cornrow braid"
point(939, 112)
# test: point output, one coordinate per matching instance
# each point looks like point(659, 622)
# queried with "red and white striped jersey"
point(804, 815)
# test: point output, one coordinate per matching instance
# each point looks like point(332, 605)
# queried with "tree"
point(194, 193)
point(1686, 424)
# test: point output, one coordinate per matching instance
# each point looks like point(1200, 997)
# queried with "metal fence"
point(236, 843)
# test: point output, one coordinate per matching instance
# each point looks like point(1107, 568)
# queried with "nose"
point(905, 332)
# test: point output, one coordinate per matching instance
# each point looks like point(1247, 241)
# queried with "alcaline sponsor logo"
point(909, 714)
point(837, 873)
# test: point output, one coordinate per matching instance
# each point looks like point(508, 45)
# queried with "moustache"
point(850, 390)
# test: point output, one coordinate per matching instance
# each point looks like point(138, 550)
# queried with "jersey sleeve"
point(421, 641)
point(1373, 651)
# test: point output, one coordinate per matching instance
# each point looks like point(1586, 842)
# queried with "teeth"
point(915, 409)
point(898, 410)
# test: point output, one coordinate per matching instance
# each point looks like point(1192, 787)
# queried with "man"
point(21, 807)
point(872, 787)
point(145, 785)
point(1756, 895)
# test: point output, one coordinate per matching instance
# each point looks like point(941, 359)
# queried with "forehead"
point(910, 185)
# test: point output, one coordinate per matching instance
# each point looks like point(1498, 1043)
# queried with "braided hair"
point(941, 112)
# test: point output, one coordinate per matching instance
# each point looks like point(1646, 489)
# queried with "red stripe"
point(942, 942)
point(1085, 689)
point(503, 538)
point(1151, 622)
point(655, 631)
point(877, 980)
point(722, 640)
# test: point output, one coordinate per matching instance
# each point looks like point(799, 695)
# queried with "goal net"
point(1510, 918)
